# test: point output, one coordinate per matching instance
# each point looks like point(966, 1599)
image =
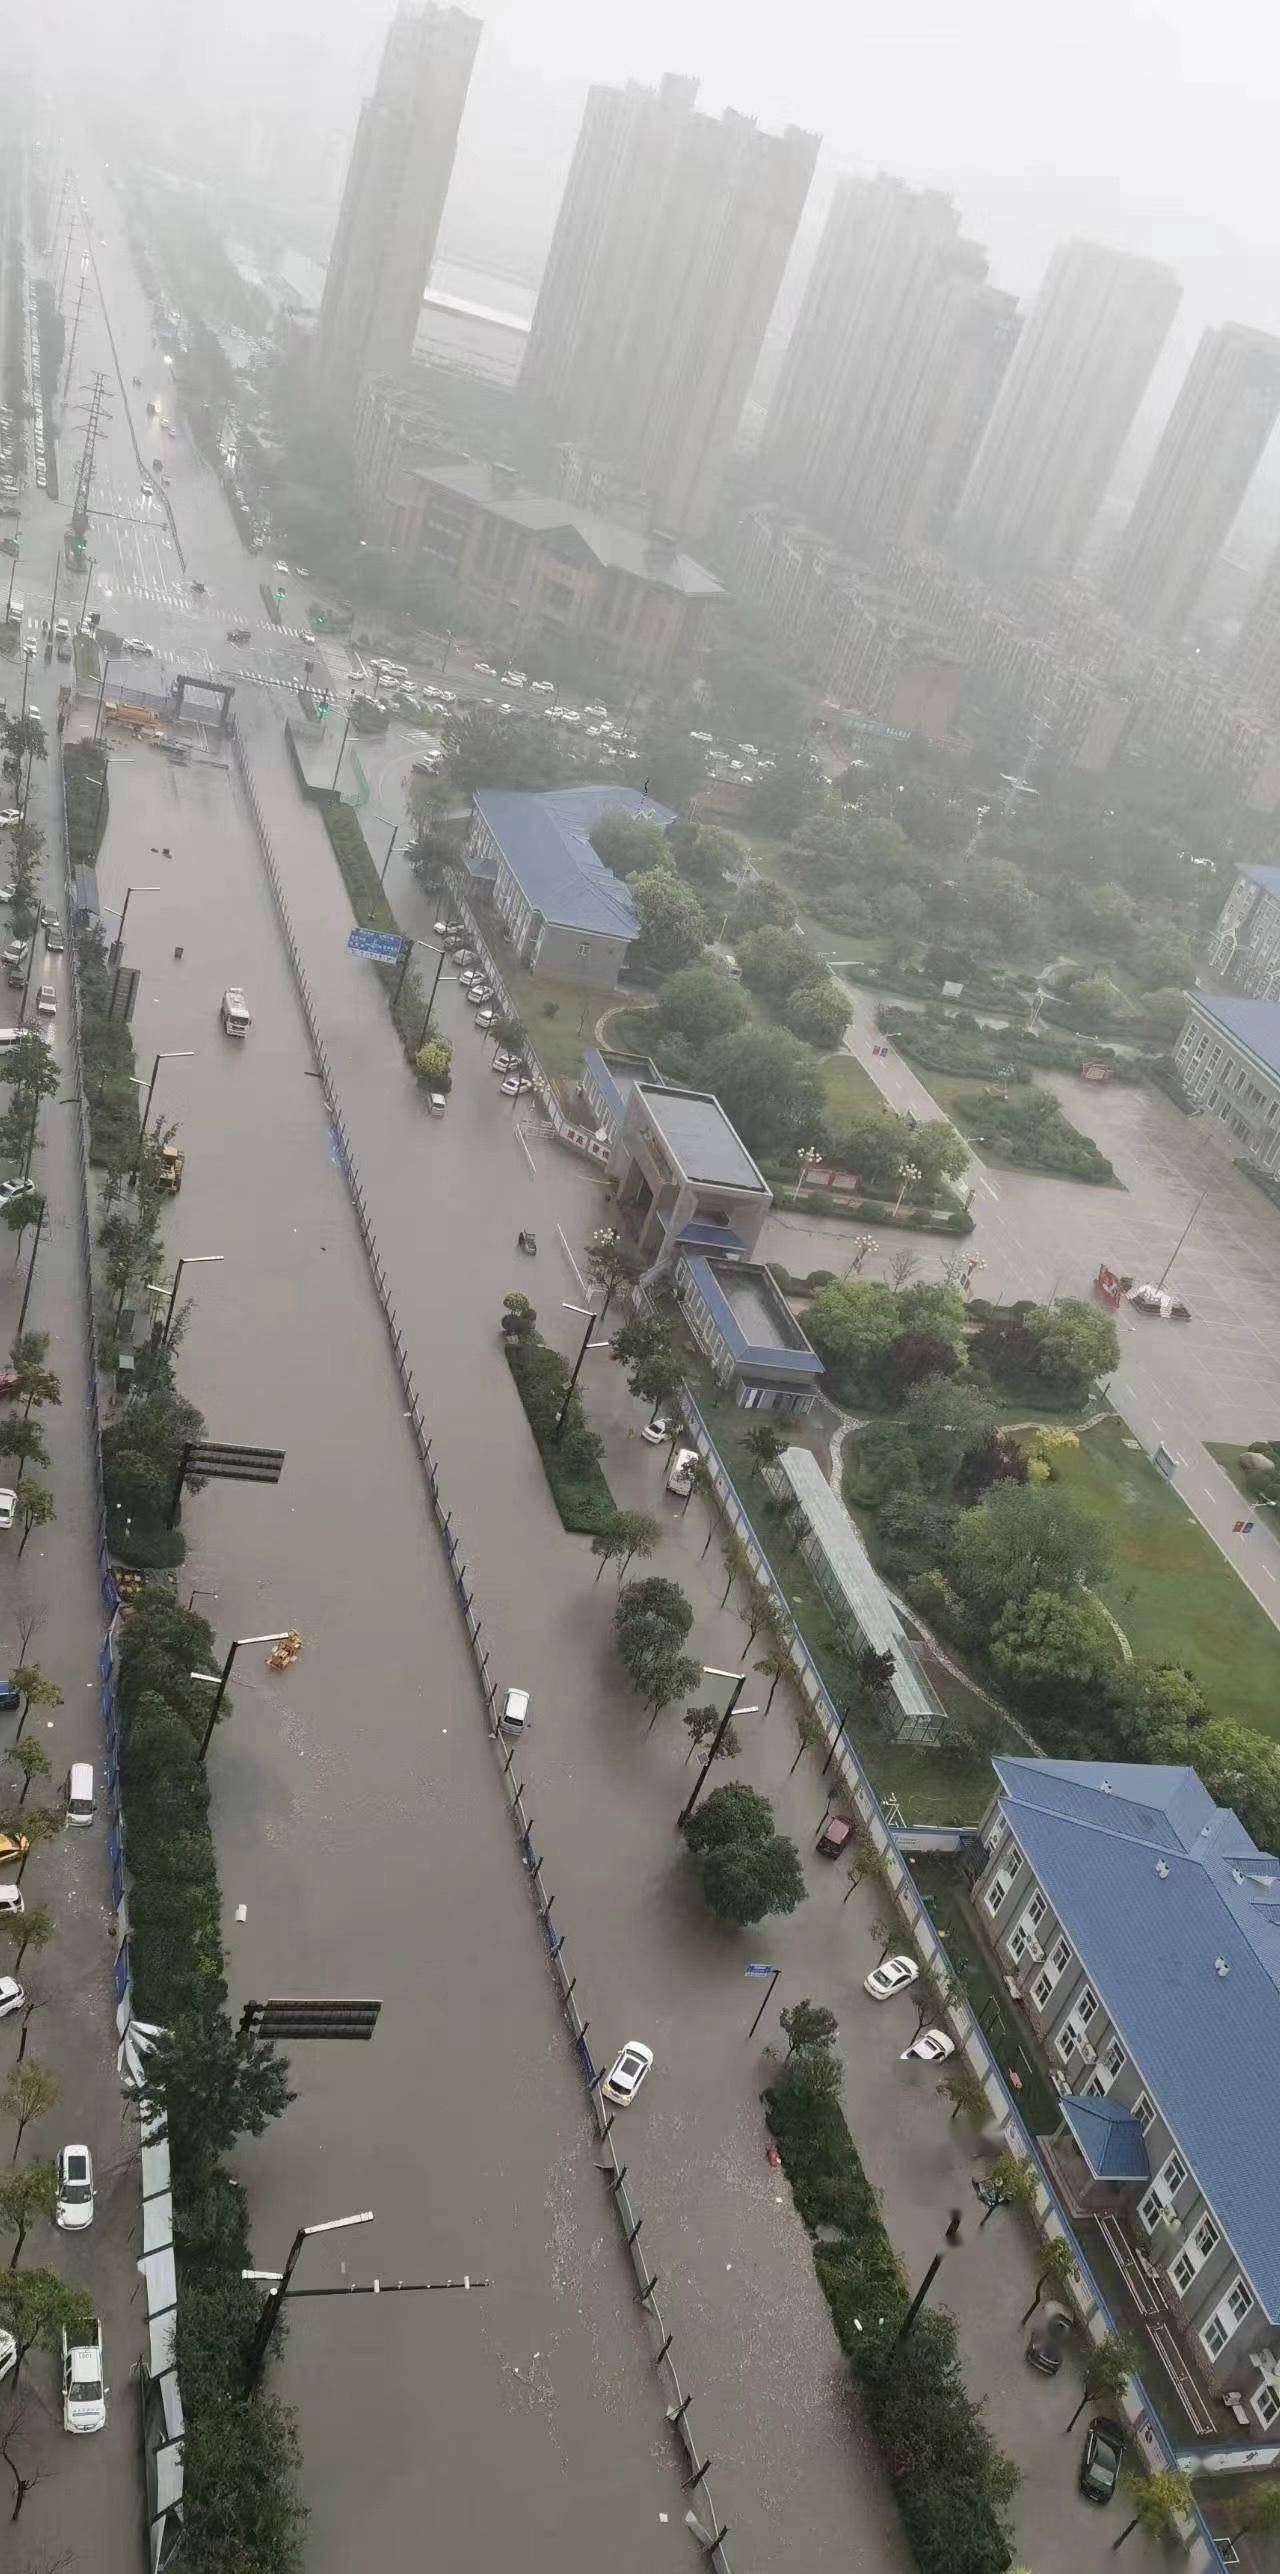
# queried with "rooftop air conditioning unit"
point(1087, 2052)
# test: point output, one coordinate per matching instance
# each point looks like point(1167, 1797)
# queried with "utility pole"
point(31, 1270)
point(739, 1679)
point(271, 2310)
point(84, 280)
point(84, 479)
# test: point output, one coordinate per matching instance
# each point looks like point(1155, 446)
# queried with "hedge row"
point(84, 770)
point(945, 1218)
point(405, 999)
point(956, 1042)
point(952, 2484)
point(109, 1061)
point(579, 1486)
point(242, 2512)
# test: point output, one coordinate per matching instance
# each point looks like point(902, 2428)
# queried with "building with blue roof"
point(1138, 1927)
point(1228, 1059)
point(564, 911)
point(1245, 947)
point(738, 1314)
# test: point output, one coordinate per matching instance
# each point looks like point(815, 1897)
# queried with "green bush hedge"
point(241, 2505)
point(109, 1062)
point(405, 999)
point(579, 1486)
point(84, 766)
point(954, 1041)
point(1032, 1131)
point(946, 1216)
point(952, 2484)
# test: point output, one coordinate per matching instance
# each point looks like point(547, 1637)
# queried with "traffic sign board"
point(759, 1970)
point(385, 944)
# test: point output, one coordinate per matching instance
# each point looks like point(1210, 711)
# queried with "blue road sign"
point(759, 1970)
point(385, 944)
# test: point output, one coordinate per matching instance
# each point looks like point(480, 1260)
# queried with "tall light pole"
point(117, 943)
point(271, 2311)
point(739, 1679)
point(387, 860)
point(440, 954)
point(87, 587)
point(587, 1344)
point(28, 656)
point(168, 1055)
point(189, 1260)
point(341, 748)
point(13, 570)
point(218, 1679)
point(31, 1270)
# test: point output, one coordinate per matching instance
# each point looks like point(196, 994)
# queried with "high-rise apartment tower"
point(1198, 477)
point(396, 184)
point(892, 368)
point(667, 256)
point(1064, 410)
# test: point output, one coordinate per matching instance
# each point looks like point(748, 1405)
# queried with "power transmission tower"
point(84, 479)
point(84, 280)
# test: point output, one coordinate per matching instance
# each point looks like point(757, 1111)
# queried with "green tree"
point(1059, 2269)
point(32, 1928)
point(29, 2092)
point(747, 1880)
point(433, 1064)
point(668, 764)
point(37, 2306)
point(213, 2086)
point(25, 2195)
point(900, 912)
point(611, 1263)
point(939, 1152)
point(946, 1417)
point(627, 845)
point(511, 1033)
point(851, 1324)
point(1109, 2365)
point(1257, 2513)
point(631, 1533)
point(36, 1691)
point(23, 1440)
point(1014, 2176)
point(519, 1317)
point(782, 798)
point(702, 1724)
point(1161, 2501)
point(768, 1085)
point(1077, 1344)
point(766, 1443)
point(808, 2027)
point(730, 1817)
point(37, 1383)
point(31, 1072)
point(1043, 1644)
point(774, 1665)
point(818, 1012)
point(1024, 1538)
point(654, 1596)
point(776, 961)
point(36, 1503)
point(654, 1664)
point(1241, 1769)
point(484, 749)
point(673, 928)
point(965, 2090)
point(22, 1212)
point(28, 1754)
point(700, 1002)
point(645, 1348)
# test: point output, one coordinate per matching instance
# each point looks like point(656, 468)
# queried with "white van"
point(236, 1020)
point(680, 1472)
point(80, 1799)
point(436, 1104)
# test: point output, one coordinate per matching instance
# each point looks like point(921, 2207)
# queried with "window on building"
point(1002, 1881)
point(1266, 2405)
point(1163, 2191)
point(1059, 1958)
point(1024, 1930)
point(1226, 2318)
point(1194, 2255)
point(1144, 2111)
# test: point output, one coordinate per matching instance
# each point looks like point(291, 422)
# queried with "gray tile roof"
point(1266, 877)
point(705, 1145)
point(1255, 1024)
point(546, 842)
point(615, 547)
point(1175, 1916)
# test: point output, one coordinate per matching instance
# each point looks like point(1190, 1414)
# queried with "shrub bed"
point(1033, 1133)
point(954, 1041)
point(405, 998)
point(108, 1059)
point(947, 1217)
point(579, 1486)
point(241, 2504)
point(84, 769)
point(952, 2484)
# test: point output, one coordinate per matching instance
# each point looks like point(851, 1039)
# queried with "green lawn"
point(942, 1889)
point(1174, 1594)
point(1228, 1454)
point(953, 1090)
point(560, 1017)
point(848, 1089)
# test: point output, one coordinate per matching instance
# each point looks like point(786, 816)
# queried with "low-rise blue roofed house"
point(564, 911)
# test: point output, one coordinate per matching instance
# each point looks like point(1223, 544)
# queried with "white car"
point(11, 1900)
point(8, 1514)
point(511, 1089)
point(485, 1019)
point(515, 1711)
point(47, 1001)
point(503, 1061)
point(484, 670)
point(301, 572)
point(656, 1433)
point(892, 1976)
point(74, 2208)
point(932, 2047)
point(137, 644)
point(515, 679)
point(14, 1189)
point(84, 2396)
point(595, 710)
point(280, 567)
point(627, 2072)
point(543, 687)
point(12, 1997)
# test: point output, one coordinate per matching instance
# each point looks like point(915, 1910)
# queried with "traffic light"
point(322, 707)
point(280, 594)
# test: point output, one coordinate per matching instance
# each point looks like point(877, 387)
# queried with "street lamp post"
point(13, 568)
point(87, 587)
point(341, 749)
point(907, 1172)
point(739, 1679)
point(387, 860)
point(441, 953)
point(217, 1680)
point(271, 2311)
point(808, 1158)
point(28, 656)
point(31, 1269)
point(117, 943)
point(168, 1055)
point(189, 1260)
point(587, 1344)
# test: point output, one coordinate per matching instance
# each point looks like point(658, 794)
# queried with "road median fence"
point(704, 2522)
